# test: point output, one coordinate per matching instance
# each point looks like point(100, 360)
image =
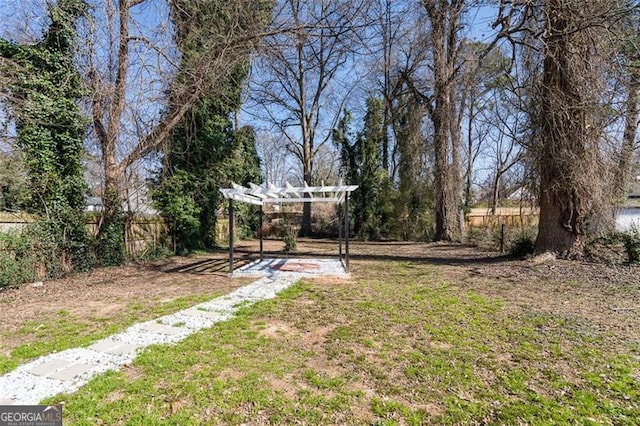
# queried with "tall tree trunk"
point(307, 175)
point(388, 90)
point(111, 229)
point(568, 153)
point(444, 18)
point(468, 193)
point(455, 182)
point(111, 237)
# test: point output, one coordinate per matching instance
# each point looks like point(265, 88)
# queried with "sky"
point(23, 20)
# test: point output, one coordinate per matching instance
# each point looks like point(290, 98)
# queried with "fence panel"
point(512, 217)
point(140, 231)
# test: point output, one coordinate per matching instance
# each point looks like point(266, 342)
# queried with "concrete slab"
point(104, 345)
point(125, 349)
point(201, 313)
point(49, 367)
point(155, 327)
point(72, 372)
point(299, 267)
point(114, 347)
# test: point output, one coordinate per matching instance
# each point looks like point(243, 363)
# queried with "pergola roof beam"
point(288, 194)
point(305, 200)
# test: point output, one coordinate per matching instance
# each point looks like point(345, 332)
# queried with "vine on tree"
point(45, 88)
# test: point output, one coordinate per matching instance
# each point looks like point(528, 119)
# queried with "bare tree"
point(483, 75)
point(445, 21)
point(133, 71)
point(276, 165)
point(502, 141)
point(297, 82)
point(576, 44)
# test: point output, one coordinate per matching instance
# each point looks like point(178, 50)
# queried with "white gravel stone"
point(25, 388)
point(67, 371)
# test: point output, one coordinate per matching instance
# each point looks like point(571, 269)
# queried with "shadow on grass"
point(386, 251)
point(215, 266)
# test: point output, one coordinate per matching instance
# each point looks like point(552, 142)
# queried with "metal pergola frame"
point(261, 195)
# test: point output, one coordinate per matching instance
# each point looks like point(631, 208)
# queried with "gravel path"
point(69, 370)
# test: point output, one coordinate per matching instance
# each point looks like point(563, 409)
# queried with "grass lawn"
point(64, 330)
point(405, 341)
point(78, 310)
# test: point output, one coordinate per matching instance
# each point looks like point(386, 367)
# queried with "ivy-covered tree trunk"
point(444, 17)
point(204, 150)
point(568, 153)
point(110, 248)
point(45, 88)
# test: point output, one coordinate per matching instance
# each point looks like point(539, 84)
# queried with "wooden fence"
point(141, 232)
point(511, 217)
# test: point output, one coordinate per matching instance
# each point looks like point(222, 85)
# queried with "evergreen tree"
point(204, 153)
point(362, 166)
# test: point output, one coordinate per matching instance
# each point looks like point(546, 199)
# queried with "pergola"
point(261, 195)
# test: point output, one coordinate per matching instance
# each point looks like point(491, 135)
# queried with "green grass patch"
point(399, 345)
point(63, 331)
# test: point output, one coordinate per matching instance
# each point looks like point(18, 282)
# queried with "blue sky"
point(24, 20)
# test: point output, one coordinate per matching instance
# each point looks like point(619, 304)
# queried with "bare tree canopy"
point(554, 96)
point(298, 83)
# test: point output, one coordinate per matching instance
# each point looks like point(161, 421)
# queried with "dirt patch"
point(109, 292)
point(286, 386)
point(231, 374)
point(132, 373)
point(316, 336)
point(275, 329)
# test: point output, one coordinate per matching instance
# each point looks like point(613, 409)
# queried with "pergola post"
point(231, 219)
point(340, 224)
point(346, 231)
point(260, 233)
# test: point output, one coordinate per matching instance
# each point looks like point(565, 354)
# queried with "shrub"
point(156, 250)
point(289, 236)
point(481, 237)
point(631, 241)
point(17, 260)
point(616, 247)
point(522, 246)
